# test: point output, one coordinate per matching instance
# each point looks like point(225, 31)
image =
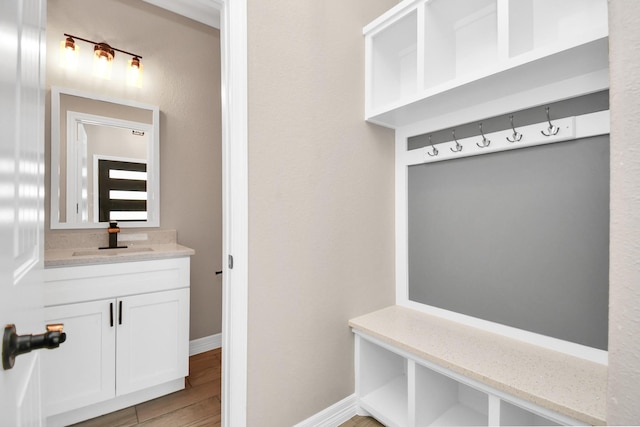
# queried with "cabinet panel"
point(66, 285)
point(152, 339)
point(82, 371)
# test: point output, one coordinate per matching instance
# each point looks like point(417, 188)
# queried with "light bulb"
point(68, 57)
point(134, 72)
point(103, 59)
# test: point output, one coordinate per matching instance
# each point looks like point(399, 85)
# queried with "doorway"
point(232, 23)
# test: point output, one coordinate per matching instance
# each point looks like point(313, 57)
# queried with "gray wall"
point(517, 237)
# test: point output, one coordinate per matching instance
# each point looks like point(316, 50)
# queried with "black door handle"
point(14, 345)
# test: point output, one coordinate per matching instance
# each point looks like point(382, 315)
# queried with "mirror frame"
point(153, 161)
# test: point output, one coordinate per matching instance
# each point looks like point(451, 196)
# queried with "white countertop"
point(87, 256)
point(566, 384)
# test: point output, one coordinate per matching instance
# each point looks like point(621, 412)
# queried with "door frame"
point(235, 202)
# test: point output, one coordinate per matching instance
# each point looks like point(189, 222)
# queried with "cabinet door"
point(153, 339)
point(82, 371)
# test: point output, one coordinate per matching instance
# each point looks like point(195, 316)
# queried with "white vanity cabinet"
point(127, 328)
point(480, 58)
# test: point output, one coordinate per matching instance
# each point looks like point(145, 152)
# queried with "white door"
point(22, 46)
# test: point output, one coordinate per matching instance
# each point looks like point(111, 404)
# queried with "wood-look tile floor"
point(198, 405)
point(359, 421)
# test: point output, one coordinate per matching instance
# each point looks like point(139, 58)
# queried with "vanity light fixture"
point(103, 55)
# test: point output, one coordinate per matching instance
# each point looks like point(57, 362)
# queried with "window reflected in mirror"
point(104, 161)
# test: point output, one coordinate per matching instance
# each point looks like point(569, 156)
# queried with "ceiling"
point(204, 11)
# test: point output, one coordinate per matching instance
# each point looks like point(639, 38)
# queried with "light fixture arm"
point(104, 44)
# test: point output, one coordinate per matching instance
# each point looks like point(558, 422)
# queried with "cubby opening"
point(512, 415)
point(383, 384)
point(443, 401)
point(394, 56)
point(536, 24)
point(461, 38)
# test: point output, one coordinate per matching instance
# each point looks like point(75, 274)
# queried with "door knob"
point(14, 345)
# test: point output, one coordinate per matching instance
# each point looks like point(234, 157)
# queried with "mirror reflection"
point(104, 158)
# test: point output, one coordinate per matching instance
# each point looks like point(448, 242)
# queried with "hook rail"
point(549, 133)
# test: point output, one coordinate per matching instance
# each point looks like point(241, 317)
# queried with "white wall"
point(623, 406)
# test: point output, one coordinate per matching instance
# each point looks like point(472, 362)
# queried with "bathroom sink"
point(112, 252)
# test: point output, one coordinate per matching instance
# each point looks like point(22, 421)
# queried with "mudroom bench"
point(416, 369)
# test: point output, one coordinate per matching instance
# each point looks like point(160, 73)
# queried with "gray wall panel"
point(518, 237)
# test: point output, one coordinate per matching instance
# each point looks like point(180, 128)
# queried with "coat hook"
point(434, 149)
point(551, 130)
point(458, 146)
point(485, 141)
point(517, 136)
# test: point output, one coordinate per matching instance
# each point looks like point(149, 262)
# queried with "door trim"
point(235, 287)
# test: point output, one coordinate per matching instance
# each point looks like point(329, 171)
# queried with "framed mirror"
point(105, 161)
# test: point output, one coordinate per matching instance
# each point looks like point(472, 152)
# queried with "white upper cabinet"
point(427, 59)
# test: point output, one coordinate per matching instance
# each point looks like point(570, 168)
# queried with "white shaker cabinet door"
point(82, 371)
point(153, 339)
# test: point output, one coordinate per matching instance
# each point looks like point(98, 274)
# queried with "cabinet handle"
point(120, 313)
point(111, 313)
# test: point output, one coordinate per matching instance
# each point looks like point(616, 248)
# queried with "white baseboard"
point(200, 345)
point(334, 415)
